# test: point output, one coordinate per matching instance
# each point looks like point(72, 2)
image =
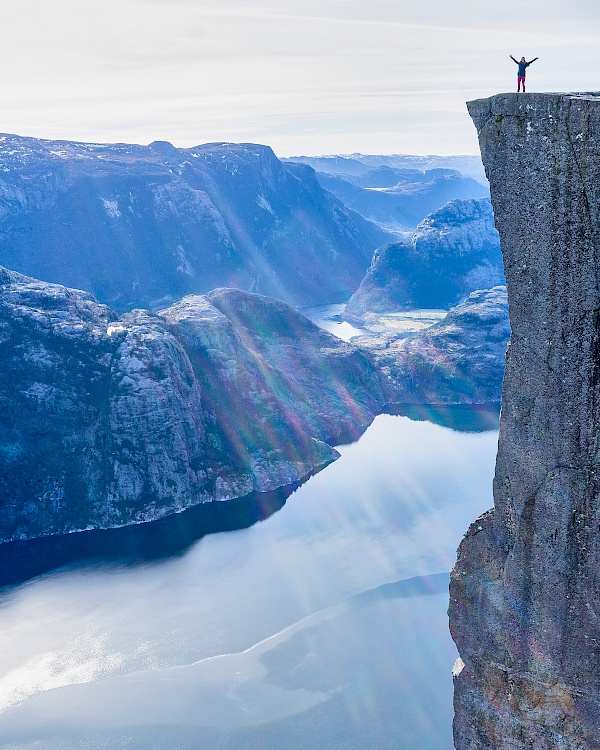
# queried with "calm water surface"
point(323, 626)
point(329, 317)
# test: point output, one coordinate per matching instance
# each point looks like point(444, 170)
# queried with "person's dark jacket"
point(522, 66)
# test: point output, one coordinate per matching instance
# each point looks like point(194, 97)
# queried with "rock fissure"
point(528, 677)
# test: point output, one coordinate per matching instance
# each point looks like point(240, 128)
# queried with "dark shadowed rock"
point(141, 226)
point(450, 254)
point(525, 590)
point(108, 421)
point(459, 360)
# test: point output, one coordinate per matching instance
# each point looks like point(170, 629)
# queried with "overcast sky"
point(303, 76)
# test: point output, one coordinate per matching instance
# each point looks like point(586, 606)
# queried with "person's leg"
point(523, 84)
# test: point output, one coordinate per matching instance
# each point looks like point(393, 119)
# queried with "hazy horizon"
point(305, 78)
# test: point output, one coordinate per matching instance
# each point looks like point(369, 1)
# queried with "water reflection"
point(329, 318)
point(341, 677)
point(323, 626)
point(173, 535)
point(463, 418)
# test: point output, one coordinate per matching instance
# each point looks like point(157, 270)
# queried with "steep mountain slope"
point(108, 421)
point(452, 252)
point(145, 225)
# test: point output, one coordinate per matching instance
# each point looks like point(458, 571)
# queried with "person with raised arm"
point(522, 70)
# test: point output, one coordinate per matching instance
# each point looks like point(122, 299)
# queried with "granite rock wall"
point(525, 590)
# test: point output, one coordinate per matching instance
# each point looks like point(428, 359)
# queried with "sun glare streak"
point(393, 506)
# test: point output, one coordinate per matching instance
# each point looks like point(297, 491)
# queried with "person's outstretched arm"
point(513, 59)
point(534, 59)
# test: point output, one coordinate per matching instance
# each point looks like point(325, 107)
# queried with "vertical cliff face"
point(525, 591)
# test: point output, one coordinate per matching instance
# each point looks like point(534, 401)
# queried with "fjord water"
point(323, 626)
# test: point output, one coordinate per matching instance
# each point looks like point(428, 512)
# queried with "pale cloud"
point(303, 76)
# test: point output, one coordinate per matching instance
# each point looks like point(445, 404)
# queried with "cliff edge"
point(525, 590)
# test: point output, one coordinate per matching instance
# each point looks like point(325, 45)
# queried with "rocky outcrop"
point(452, 252)
point(459, 360)
point(142, 226)
point(525, 590)
point(108, 421)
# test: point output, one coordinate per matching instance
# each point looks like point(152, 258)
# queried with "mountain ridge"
point(451, 253)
